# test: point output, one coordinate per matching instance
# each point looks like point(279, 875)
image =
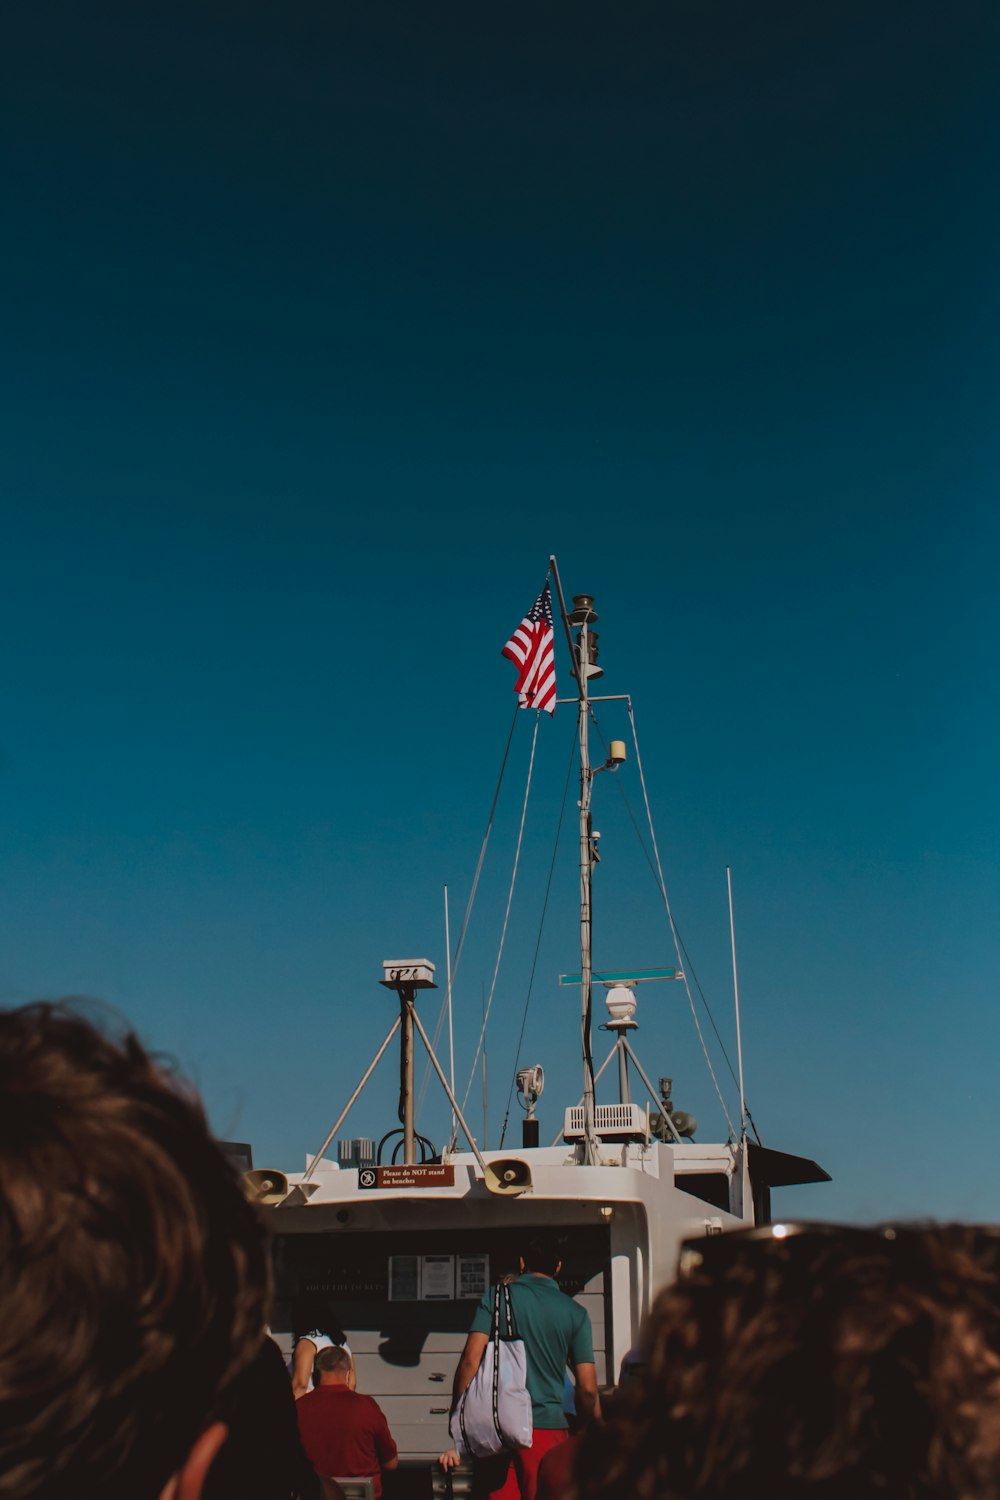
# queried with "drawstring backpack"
point(494, 1411)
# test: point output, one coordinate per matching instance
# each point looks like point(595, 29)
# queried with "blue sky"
point(324, 326)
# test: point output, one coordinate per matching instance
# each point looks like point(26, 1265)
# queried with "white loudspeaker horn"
point(265, 1185)
point(509, 1175)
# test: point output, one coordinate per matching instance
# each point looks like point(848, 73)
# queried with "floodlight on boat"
point(408, 974)
point(530, 1082)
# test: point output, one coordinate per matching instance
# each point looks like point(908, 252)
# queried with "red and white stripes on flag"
point(531, 649)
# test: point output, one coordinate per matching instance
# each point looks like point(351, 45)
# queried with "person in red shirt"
point(344, 1433)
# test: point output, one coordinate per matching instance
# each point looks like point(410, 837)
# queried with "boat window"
point(711, 1187)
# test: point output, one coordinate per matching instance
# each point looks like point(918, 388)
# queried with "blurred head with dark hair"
point(819, 1362)
point(541, 1253)
point(313, 1312)
point(133, 1272)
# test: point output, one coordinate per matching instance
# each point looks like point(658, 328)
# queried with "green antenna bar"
point(624, 976)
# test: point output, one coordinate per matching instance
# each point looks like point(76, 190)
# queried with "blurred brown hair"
point(834, 1363)
point(133, 1272)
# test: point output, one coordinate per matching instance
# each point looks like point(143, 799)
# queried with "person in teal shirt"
point(556, 1333)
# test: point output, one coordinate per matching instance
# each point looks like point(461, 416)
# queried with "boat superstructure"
point(404, 1250)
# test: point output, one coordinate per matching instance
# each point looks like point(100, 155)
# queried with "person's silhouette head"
point(814, 1362)
point(134, 1274)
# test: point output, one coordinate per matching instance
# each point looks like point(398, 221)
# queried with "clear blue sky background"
point(323, 325)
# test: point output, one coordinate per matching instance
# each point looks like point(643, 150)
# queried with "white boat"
point(404, 1251)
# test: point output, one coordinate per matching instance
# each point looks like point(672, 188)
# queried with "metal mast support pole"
point(580, 657)
point(597, 1078)
point(624, 1093)
point(736, 993)
point(406, 1014)
point(652, 1093)
point(590, 1154)
point(451, 1097)
point(350, 1103)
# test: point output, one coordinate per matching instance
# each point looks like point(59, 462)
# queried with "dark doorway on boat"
point(405, 1342)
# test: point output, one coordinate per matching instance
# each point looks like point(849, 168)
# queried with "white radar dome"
point(620, 1003)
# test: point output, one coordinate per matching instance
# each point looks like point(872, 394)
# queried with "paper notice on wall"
point(473, 1275)
point(404, 1278)
point(437, 1278)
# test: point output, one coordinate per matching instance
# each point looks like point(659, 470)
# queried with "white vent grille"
point(624, 1121)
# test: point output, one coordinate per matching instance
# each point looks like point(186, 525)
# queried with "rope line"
point(468, 909)
point(506, 917)
point(686, 965)
point(670, 917)
point(538, 944)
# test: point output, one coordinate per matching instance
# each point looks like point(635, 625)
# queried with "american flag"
point(531, 649)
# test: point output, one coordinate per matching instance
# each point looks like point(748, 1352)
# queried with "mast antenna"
point(486, 1081)
point(451, 1032)
point(736, 994)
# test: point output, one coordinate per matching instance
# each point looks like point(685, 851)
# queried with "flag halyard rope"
point(468, 907)
point(506, 919)
point(538, 941)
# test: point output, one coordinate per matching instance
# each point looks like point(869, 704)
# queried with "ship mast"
point(585, 653)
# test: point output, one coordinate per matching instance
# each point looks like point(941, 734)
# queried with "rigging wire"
point(506, 917)
point(468, 907)
point(657, 873)
point(538, 943)
point(686, 965)
point(670, 917)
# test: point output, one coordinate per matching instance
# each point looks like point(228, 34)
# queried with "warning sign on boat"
point(431, 1176)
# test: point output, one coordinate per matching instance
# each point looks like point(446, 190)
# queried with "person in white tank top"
point(307, 1346)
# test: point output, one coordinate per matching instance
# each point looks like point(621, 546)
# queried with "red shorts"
point(514, 1476)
